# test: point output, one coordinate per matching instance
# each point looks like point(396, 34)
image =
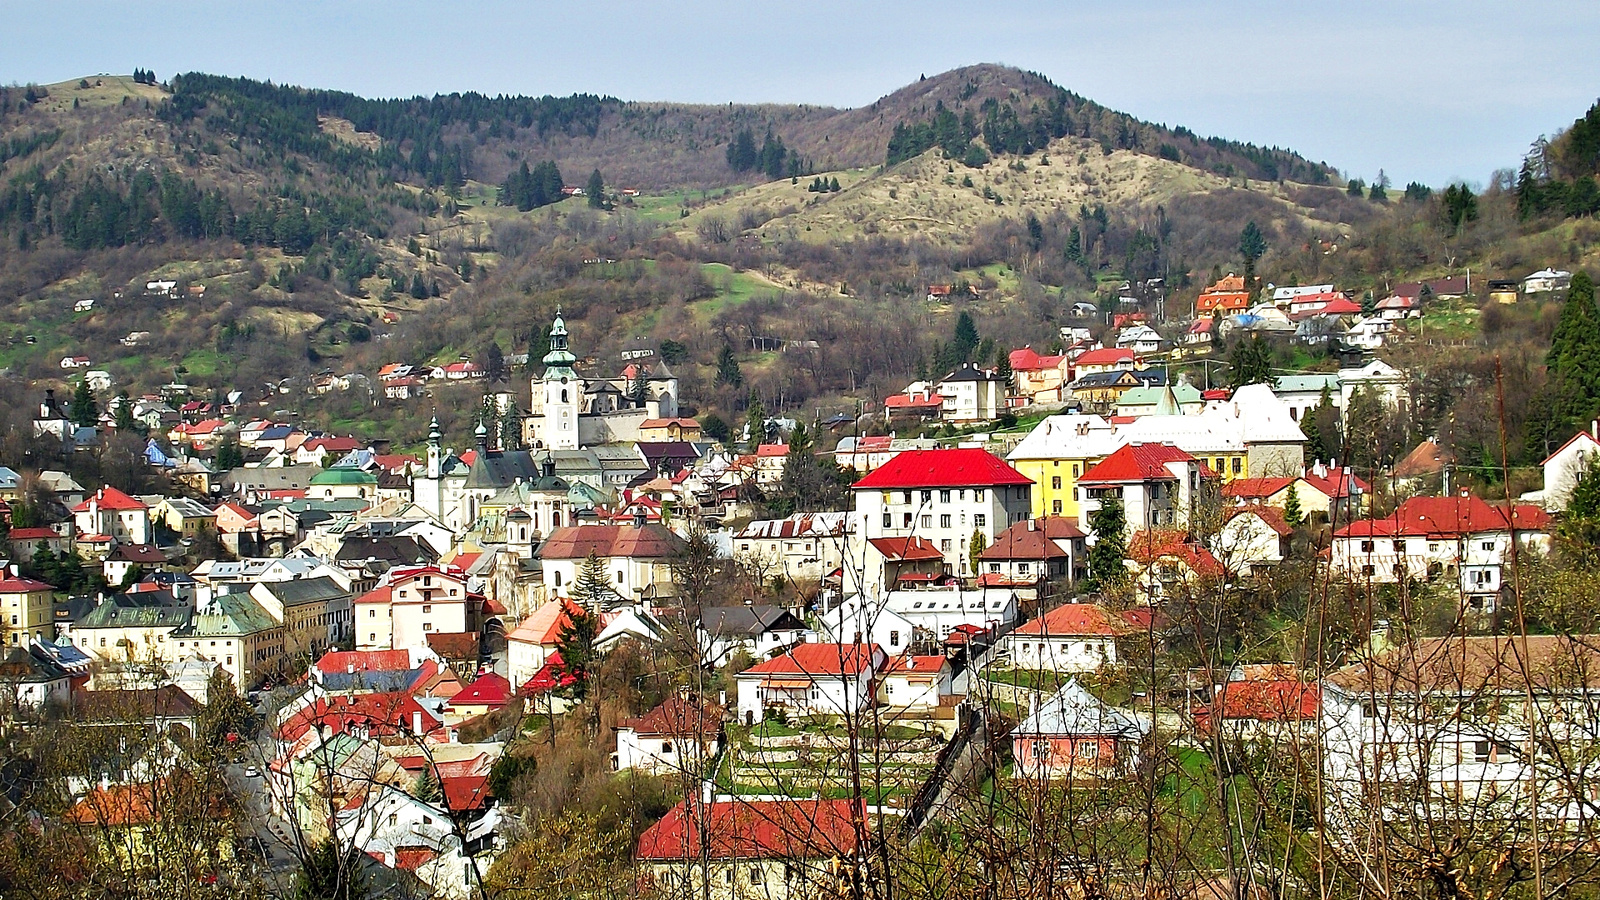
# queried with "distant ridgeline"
point(1004, 130)
point(412, 131)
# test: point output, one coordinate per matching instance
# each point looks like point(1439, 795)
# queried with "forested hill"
point(649, 145)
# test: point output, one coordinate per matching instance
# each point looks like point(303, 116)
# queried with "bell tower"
point(563, 392)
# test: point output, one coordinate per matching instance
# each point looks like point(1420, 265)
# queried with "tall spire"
point(558, 362)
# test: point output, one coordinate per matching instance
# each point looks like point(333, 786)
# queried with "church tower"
point(563, 393)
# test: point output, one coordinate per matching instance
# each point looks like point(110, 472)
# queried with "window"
point(372, 637)
point(927, 496)
point(1481, 751)
point(1238, 465)
point(1025, 647)
point(230, 661)
point(426, 608)
point(978, 495)
point(944, 521)
point(1400, 546)
point(888, 522)
point(1055, 482)
point(427, 626)
point(995, 568)
point(394, 818)
point(944, 496)
point(1488, 545)
point(1089, 751)
point(755, 875)
point(927, 521)
point(1041, 750)
point(666, 746)
point(894, 638)
point(944, 544)
point(619, 576)
point(1023, 568)
point(1367, 546)
point(1369, 571)
point(905, 497)
point(906, 521)
point(1055, 507)
point(980, 519)
point(558, 579)
point(1075, 472)
point(372, 613)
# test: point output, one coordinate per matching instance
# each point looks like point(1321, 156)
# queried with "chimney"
point(1033, 524)
point(1594, 429)
point(722, 698)
point(416, 721)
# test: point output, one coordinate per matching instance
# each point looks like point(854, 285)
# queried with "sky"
point(1427, 90)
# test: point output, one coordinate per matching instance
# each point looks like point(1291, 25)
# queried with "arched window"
point(555, 520)
point(563, 395)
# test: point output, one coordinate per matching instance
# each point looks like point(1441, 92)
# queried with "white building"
point(916, 682)
point(1563, 468)
point(811, 679)
point(939, 610)
point(1073, 637)
point(678, 737)
point(945, 496)
point(971, 394)
point(760, 631)
point(1158, 486)
point(804, 546)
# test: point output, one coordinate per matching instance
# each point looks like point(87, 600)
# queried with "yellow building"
point(27, 607)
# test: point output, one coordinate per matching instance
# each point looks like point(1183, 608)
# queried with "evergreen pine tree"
point(123, 417)
point(728, 368)
point(426, 788)
point(1291, 508)
point(592, 589)
point(756, 422)
point(84, 411)
point(596, 190)
point(1109, 526)
point(965, 340)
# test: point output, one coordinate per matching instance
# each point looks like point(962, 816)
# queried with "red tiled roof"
point(1073, 619)
point(1026, 360)
point(1342, 306)
point(1149, 546)
point(454, 644)
point(907, 548)
point(918, 665)
point(553, 675)
point(464, 793)
point(678, 716)
point(115, 806)
point(1106, 356)
point(918, 401)
point(1136, 463)
point(545, 623)
point(960, 467)
point(1284, 700)
point(411, 859)
point(380, 594)
point(1448, 517)
point(1222, 300)
point(110, 498)
point(819, 659)
point(755, 829)
point(487, 689)
point(770, 450)
point(389, 712)
point(653, 541)
point(33, 534)
point(1271, 515)
point(1255, 488)
point(1039, 542)
point(20, 585)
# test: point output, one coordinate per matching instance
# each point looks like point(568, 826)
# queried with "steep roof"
point(1021, 541)
point(1074, 711)
point(1279, 700)
point(652, 541)
point(958, 467)
point(1074, 620)
point(487, 689)
point(818, 659)
point(754, 829)
point(1473, 665)
point(1132, 463)
point(678, 716)
point(298, 591)
point(1157, 544)
point(1427, 458)
point(546, 622)
point(109, 497)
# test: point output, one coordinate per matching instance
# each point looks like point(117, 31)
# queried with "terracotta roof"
point(653, 541)
point(1021, 542)
point(464, 793)
point(554, 675)
point(754, 829)
point(546, 622)
point(1338, 483)
point(770, 450)
point(915, 665)
point(1449, 517)
point(1255, 488)
point(961, 467)
point(454, 644)
point(679, 716)
point(1157, 544)
point(20, 585)
point(389, 712)
point(1225, 300)
point(1473, 665)
point(364, 661)
point(1073, 619)
point(33, 534)
point(1271, 515)
point(381, 594)
point(1284, 700)
point(116, 806)
point(1026, 360)
point(487, 689)
point(818, 659)
point(1136, 463)
point(906, 548)
point(913, 401)
point(1427, 458)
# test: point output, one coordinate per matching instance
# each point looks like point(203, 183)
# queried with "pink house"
point(1074, 737)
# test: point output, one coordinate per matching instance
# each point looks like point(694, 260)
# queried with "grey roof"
point(1073, 710)
point(304, 590)
point(971, 372)
point(379, 682)
point(499, 469)
point(270, 479)
point(27, 665)
point(118, 613)
point(748, 620)
point(398, 550)
point(229, 614)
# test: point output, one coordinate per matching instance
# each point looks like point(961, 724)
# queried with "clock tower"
point(563, 393)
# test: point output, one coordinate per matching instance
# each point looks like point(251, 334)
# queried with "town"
point(790, 660)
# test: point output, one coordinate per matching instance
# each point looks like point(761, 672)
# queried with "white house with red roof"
point(919, 401)
point(1157, 485)
point(1252, 538)
point(1165, 563)
point(916, 682)
point(942, 496)
point(678, 736)
point(1105, 359)
point(1563, 468)
point(1424, 535)
point(1049, 547)
point(530, 645)
point(1039, 379)
point(811, 679)
point(318, 451)
point(113, 514)
point(1073, 637)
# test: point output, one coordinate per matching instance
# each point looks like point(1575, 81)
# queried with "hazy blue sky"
point(1426, 89)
